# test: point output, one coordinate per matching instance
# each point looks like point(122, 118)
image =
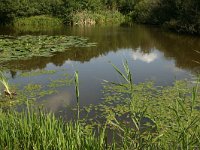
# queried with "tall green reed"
point(102, 132)
point(132, 137)
point(76, 79)
point(44, 131)
point(4, 82)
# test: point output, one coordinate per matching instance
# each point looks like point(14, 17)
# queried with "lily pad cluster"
point(25, 47)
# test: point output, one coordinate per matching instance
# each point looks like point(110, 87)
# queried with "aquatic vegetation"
point(31, 130)
point(25, 47)
point(35, 91)
point(161, 117)
point(60, 82)
point(145, 116)
point(139, 116)
point(38, 72)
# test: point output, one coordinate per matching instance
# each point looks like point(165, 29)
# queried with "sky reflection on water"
point(152, 55)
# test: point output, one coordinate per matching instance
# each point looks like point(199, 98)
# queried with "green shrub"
point(144, 11)
point(37, 21)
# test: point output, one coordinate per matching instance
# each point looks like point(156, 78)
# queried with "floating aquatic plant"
point(25, 47)
point(37, 72)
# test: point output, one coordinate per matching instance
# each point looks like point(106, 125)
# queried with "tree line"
point(179, 15)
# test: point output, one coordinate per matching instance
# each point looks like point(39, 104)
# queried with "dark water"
point(152, 54)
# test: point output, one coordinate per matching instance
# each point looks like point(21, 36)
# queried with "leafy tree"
point(7, 11)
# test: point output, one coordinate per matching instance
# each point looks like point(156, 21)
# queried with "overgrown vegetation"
point(140, 116)
point(43, 131)
point(149, 117)
point(37, 22)
point(178, 15)
point(100, 18)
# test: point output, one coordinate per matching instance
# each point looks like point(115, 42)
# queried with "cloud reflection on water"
point(145, 57)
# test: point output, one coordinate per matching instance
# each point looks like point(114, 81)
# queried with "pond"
point(152, 54)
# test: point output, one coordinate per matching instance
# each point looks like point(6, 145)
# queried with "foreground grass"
point(40, 131)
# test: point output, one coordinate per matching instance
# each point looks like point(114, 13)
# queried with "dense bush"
point(11, 9)
point(144, 11)
point(7, 11)
point(179, 15)
point(188, 16)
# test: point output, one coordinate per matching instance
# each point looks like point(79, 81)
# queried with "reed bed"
point(86, 18)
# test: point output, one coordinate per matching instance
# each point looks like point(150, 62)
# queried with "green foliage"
point(43, 131)
point(143, 11)
point(7, 11)
point(157, 118)
point(140, 116)
point(11, 9)
point(178, 15)
point(37, 22)
point(187, 17)
point(93, 18)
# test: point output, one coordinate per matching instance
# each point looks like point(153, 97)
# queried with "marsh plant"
point(44, 131)
point(76, 79)
point(148, 117)
point(33, 129)
point(86, 18)
point(139, 116)
point(5, 84)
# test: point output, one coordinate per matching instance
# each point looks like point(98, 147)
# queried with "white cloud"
point(148, 58)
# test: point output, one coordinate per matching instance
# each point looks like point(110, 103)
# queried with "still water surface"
point(152, 54)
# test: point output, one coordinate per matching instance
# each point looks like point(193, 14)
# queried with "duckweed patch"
point(25, 47)
point(59, 83)
point(34, 91)
point(36, 73)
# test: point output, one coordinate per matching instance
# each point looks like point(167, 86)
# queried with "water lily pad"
point(25, 47)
